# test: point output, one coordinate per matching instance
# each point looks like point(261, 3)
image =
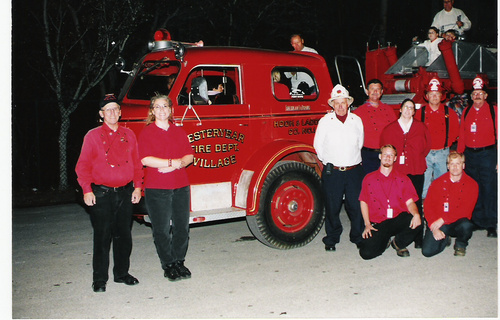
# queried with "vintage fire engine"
point(250, 116)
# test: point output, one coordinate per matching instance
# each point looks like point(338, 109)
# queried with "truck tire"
point(291, 211)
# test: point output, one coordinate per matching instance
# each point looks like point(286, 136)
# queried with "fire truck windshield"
point(154, 77)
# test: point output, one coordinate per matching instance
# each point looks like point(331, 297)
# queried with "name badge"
point(473, 127)
point(402, 160)
point(446, 207)
point(389, 213)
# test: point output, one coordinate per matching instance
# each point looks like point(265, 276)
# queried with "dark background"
point(332, 27)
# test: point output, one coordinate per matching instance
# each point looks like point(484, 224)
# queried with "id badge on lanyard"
point(390, 212)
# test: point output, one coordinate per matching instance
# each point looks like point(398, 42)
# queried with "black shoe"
point(330, 248)
point(128, 280)
point(99, 286)
point(402, 252)
point(183, 271)
point(492, 233)
point(172, 273)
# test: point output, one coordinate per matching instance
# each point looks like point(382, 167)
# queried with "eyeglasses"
point(409, 107)
point(159, 107)
point(478, 94)
point(111, 110)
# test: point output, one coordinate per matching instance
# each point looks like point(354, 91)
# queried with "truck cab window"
point(154, 77)
point(293, 83)
point(222, 85)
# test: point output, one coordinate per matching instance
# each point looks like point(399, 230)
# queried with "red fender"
point(263, 161)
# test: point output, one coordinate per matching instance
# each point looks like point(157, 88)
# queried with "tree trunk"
point(63, 139)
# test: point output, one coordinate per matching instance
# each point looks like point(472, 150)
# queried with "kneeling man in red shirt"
point(448, 208)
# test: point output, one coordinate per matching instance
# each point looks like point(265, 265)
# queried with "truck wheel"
point(291, 209)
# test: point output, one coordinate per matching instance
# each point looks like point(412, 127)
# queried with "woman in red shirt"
point(165, 151)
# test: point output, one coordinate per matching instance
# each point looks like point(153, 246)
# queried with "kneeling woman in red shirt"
point(165, 151)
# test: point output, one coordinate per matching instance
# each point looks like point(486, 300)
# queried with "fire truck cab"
point(250, 116)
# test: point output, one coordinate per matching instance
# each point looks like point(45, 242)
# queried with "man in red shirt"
point(443, 124)
point(478, 142)
point(375, 116)
point(388, 207)
point(110, 173)
point(448, 209)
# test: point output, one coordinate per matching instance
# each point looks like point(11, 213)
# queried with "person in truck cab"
point(338, 142)
point(165, 151)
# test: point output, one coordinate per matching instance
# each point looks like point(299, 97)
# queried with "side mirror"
point(120, 65)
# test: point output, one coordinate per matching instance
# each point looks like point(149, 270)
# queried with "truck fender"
point(262, 161)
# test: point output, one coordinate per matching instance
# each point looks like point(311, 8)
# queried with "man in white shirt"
point(297, 43)
point(338, 142)
point(451, 18)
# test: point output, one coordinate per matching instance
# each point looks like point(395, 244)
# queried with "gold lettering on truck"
point(219, 148)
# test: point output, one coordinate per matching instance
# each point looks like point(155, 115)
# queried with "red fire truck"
point(250, 116)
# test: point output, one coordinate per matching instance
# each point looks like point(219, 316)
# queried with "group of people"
point(110, 172)
point(382, 167)
point(448, 24)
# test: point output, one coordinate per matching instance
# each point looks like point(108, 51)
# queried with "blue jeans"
point(436, 167)
point(168, 210)
point(335, 186)
point(111, 218)
point(481, 166)
point(461, 229)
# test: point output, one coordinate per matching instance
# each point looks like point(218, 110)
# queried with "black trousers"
point(481, 166)
point(336, 186)
point(399, 227)
point(111, 219)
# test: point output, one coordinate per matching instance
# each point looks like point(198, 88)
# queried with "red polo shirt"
point(436, 123)
point(476, 130)
point(165, 144)
point(377, 189)
point(461, 197)
point(374, 121)
point(109, 158)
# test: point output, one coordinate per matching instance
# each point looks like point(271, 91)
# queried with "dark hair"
point(405, 101)
point(451, 31)
point(374, 81)
point(435, 29)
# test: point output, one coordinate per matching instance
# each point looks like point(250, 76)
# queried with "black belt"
point(115, 189)
point(482, 148)
point(345, 168)
point(370, 149)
